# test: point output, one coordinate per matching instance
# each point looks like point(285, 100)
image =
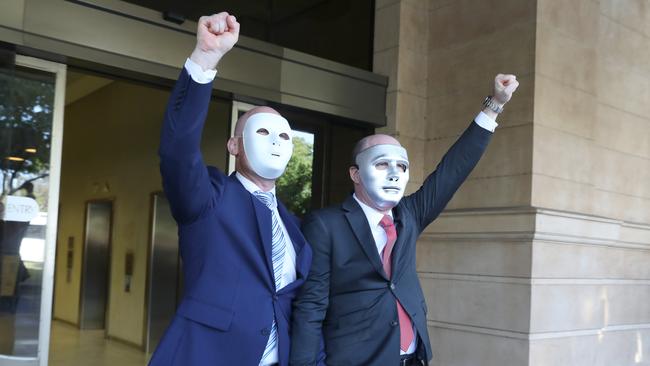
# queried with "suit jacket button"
point(394, 323)
point(275, 297)
point(266, 332)
point(392, 286)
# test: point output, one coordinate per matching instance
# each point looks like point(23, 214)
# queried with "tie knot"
point(386, 221)
point(267, 198)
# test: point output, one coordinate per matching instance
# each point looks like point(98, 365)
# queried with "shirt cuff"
point(486, 122)
point(197, 74)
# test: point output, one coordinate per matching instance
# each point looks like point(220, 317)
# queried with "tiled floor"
point(70, 346)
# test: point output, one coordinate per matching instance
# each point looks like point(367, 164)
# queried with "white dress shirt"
point(485, 121)
point(197, 74)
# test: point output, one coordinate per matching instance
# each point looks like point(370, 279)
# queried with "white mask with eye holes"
point(268, 144)
point(384, 172)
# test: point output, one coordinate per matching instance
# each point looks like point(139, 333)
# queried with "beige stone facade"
point(543, 256)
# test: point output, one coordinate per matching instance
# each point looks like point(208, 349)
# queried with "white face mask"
point(384, 172)
point(268, 144)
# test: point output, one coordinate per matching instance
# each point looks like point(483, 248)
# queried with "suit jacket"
point(347, 297)
point(230, 300)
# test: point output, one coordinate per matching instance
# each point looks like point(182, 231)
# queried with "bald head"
point(241, 122)
point(370, 141)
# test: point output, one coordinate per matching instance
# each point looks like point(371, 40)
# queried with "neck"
point(264, 184)
point(363, 197)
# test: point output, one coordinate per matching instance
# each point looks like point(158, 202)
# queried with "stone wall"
point(590, 277)
point(543, 256)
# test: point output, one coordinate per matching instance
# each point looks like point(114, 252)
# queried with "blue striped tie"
point(278, 246)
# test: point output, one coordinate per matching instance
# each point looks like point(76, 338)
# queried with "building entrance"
point(31, 111)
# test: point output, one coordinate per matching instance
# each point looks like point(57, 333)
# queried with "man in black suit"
point(362, 294)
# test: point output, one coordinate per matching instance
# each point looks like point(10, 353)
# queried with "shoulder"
point(405, 211)
point(325, 215)
point(216, 175)
point(322, 223)
point(218, 179)
point(319, 226)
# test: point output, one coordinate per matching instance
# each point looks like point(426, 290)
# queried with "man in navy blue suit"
point(362, 294)
point(243, 254)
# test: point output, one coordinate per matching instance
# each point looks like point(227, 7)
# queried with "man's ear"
point(354, 174)
point(233, 146)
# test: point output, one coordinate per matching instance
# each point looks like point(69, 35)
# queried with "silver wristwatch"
point(492, 105)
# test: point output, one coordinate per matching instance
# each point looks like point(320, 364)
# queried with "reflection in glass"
point(26, 104)
point(294, 186)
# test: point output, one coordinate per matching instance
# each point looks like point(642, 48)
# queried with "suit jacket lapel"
point(264, 224)
point(297, 240)
point(359, 224)
point(399, 250)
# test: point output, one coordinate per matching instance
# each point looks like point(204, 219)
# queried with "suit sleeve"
point(185, 178)
point(439, 187)
point(310, 306)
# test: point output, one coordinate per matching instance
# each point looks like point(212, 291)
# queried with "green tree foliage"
point(26, 105)
point(294, 186)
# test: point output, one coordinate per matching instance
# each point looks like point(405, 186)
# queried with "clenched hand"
point(215, 36)
point(504, 86)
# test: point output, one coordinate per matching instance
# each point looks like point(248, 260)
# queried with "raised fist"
point(504, 86)
point(215, 36)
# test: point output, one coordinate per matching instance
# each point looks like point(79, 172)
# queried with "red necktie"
point(405, 325)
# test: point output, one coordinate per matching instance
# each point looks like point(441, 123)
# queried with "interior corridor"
point(70, 346)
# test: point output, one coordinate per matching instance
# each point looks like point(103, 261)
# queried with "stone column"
point(590, 276)
point(475, 260)
point(400, 52)
point(543, 256)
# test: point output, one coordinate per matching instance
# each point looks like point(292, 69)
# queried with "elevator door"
point(96, 265)
point(164, 272)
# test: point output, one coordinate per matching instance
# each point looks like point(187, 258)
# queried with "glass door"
point(31, 126)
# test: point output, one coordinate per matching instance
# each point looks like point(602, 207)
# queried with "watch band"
point(492, 105)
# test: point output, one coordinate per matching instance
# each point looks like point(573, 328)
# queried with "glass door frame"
point(47, 286)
